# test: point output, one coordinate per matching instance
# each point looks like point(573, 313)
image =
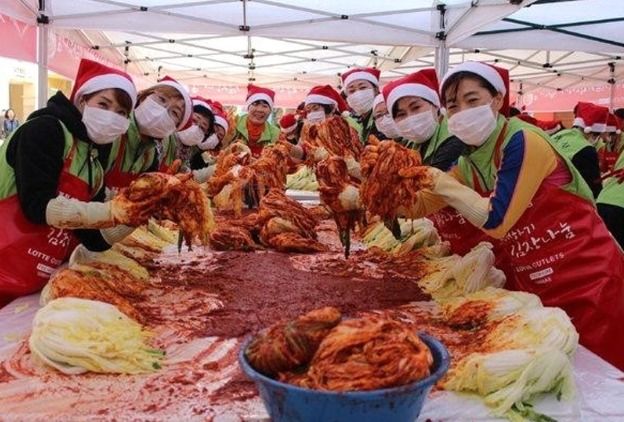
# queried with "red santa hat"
point(187, 117)
point(590, 117)
point(612, 124)
point(550, 126)
point(528, 118)
point(416, 84)
point(202, 103)
point(288, 123)
point(220, 115)
point(325, 94)
point(496, 76)
point(93, 77)
point(257, 93)
point(361, 73)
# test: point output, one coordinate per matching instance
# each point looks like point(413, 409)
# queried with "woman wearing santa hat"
point(361, 86)
point(385, 127)
point(161, 110)
point(51, 179)
point(290, 127)
point(215, 121)
point(179, 147)
point(578, 143)
point(414, 105)
point(322, 102)
point(253, 128)
point(520, 190)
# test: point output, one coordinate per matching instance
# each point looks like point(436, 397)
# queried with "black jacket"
point(36, 154)
point(587, 163)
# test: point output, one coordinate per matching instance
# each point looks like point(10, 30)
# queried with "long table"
point(599, 396)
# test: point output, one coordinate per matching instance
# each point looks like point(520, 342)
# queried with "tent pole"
point(42, 56)
point(441, 60)
point(612, 87)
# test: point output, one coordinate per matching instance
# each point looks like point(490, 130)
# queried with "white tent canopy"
point(556, 44)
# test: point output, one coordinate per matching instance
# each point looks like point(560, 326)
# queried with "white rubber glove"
point(69, 213)
point(353, 167)
point(116, 234)
point(320, 154)
point(350, 198)
point(204, 174)
point(466, 201)
point(208, 158)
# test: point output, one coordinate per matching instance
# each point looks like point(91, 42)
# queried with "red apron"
point(607, 160)
point(453, 227)
point(29, 252)
point(116, 178)
point(561, 250)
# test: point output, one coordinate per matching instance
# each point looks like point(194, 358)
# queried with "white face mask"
point(418, 128)
point(209, 143)
point(361, 101)
point(191, 136)
point(387, 126)
point(315, 116)
point(153, 119)
point(103, 126)
point(474, 125)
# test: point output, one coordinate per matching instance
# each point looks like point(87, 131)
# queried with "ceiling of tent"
point(306, 42)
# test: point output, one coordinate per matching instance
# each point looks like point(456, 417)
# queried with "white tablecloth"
point(599, 396)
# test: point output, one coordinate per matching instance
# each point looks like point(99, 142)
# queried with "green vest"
point(570, 142)
point(613, 192)
point(170, 148)
point(269, 135)
point(138, 154)
point(77, 166)
point(482, 160)
point(363, 129)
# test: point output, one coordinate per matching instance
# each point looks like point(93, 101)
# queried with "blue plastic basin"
point(288, 403)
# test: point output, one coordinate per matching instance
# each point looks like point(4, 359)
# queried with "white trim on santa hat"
point(610, 129)
point(360, 75)
point(417, 90)
point(486, 72)
point(378, 100)
point(578, 122)
point(188, 111)
point(595, 128)
point(319, 99)
point(289, 129)
point(202, 104)
point(221, 122)
point(107, 81)
point(259, 96)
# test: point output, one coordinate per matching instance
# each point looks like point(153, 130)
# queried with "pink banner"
point(547, 100)
point(235, 95)
point(19, 40)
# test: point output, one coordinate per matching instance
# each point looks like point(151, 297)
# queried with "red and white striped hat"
point(92, 77)
point(288, 123)
point(257, 93)
point(325, 94)
point(417, 84)
point(187, 117)
point(591, 117)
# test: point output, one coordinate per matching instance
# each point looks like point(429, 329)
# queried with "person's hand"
point(130, 213)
